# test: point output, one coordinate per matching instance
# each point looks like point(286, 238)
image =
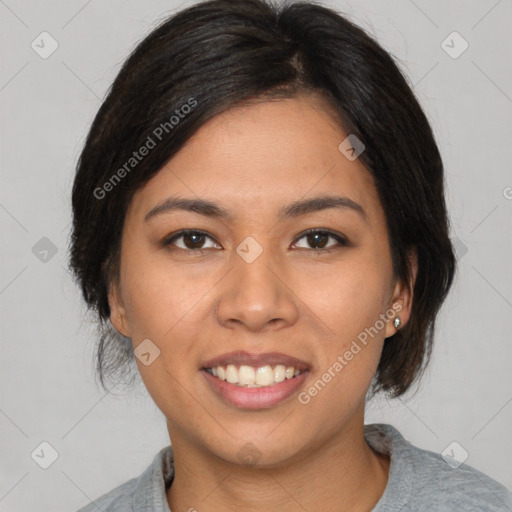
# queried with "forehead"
point(262, 156)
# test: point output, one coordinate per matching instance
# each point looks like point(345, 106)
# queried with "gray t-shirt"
point(419, 481)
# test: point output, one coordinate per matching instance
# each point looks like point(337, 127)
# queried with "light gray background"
point(46, 370)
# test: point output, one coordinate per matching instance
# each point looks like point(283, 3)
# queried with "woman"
point(260, 224)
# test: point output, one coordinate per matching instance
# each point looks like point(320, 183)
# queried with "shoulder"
point(119, 499)
point(146, 492)
point(459, 487)
point(425, 480)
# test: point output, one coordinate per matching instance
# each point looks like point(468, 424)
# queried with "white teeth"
point(231, 374)
point(264, 376)
point(279, 373)
point(247, 376)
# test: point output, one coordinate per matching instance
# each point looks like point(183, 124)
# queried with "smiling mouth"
point(245, 376)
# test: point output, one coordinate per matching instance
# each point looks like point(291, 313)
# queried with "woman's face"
point(252, 282)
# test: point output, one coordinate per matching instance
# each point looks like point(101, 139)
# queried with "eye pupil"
point(313, 239)
point(198, 239)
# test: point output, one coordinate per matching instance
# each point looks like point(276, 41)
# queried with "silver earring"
point(397, 322)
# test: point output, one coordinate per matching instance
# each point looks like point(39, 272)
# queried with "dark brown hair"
point(221, 53)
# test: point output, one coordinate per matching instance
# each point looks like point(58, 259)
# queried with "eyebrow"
point(295, 209)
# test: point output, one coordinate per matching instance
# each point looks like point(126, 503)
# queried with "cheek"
point(350, 302)
point(350, 353)
point(161, 299)
point(350, 298)
point(164, 305)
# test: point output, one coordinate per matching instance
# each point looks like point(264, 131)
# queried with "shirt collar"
point(150, 492)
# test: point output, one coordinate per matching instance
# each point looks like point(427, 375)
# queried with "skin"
point(307, 302)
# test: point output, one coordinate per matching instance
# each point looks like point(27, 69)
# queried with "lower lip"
point(255, 398)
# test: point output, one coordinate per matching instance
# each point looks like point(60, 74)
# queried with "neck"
point(342, 475)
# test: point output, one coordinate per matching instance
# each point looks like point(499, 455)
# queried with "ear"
point(401, 301)
point(118, 316)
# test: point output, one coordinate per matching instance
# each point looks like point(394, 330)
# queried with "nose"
point(257, 295)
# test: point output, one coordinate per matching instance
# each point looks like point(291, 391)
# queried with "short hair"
point(218, 54)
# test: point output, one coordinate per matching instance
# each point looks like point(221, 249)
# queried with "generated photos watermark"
point(156, 136)
point(342, 360)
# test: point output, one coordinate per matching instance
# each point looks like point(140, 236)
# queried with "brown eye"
point(192, 240)
point(318, 239)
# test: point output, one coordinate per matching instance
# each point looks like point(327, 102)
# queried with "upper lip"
point(252, 359)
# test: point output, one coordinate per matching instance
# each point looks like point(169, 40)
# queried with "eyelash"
point(340, 239)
